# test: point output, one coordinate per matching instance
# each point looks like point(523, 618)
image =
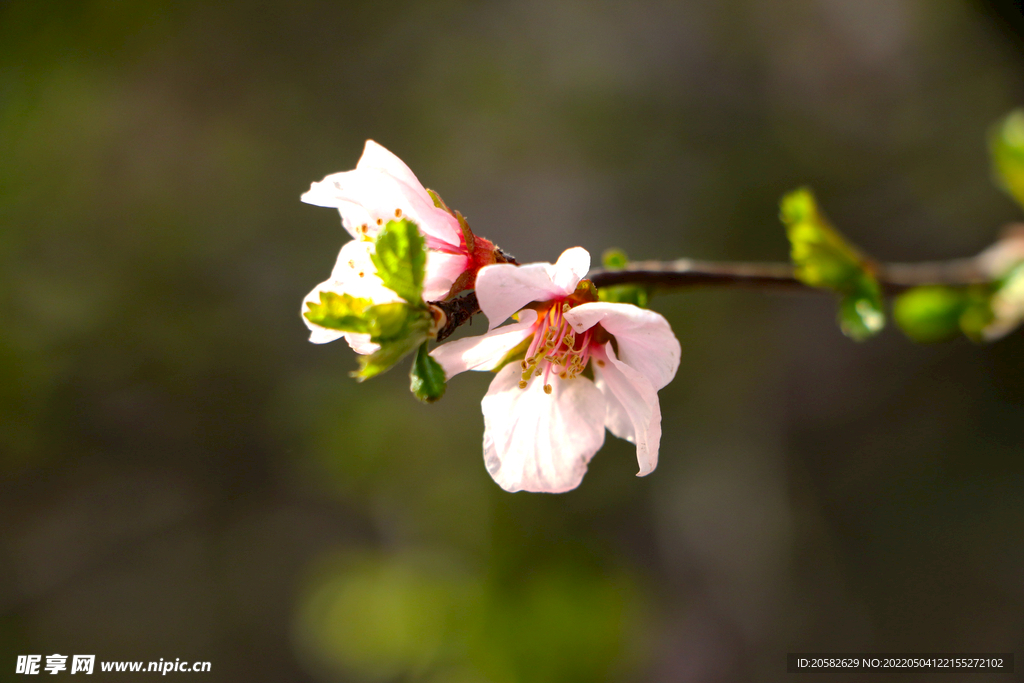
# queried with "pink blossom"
point(382, 189)
point(544, 417)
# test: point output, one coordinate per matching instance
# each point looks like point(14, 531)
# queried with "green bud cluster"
point(824, 259)
point(937, 313)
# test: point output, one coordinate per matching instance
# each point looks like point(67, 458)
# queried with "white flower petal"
point(354, 258)
point(504, 289)
point(570, 268)
point(535, 441)
point(354, 274)
point(442, 270)
point(644, 338)
point(321, 335)
point(629, 395)
point(376, 157)
point(487, 350)
point(357, 197)
point(371, 197)
point(440, 228)
point(361, 344)
point(616, 419)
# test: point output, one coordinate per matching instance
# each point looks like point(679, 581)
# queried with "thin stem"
point(893, 277)
point(689, 273)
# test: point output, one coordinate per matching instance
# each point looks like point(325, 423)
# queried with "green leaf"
point(861, 314)
point(399, 328)
point(614, 259)
point(998, 308)
point(822, 258)
point(400, 257)
point(339, 312)
point(930, 314)
point(978, 317)
point(395, 321)
point(386, 357)
point(398, 321)
point(638, 295)
point(935, 313)
point(426, 379)
point(1006, 145)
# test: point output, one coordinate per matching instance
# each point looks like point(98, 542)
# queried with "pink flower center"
point(555, 348)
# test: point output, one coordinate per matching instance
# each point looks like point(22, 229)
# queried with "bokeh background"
point(184, 476)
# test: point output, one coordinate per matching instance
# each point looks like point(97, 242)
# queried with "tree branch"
point(893, 277)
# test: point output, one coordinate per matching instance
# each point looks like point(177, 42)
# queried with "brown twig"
point(893, 277)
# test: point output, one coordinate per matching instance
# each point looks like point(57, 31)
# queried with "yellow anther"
point(524, 365)
point(398, 213)
point(380, 221)
point(522, 384)
point(565, 307)
point(547, 388)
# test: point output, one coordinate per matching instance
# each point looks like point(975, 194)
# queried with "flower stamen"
point(556, 349)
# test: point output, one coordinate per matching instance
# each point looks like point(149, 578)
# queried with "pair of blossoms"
point(566, 368)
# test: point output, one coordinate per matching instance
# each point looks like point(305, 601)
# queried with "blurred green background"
point(184, 476)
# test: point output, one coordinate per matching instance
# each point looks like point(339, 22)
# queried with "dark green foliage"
point(427, 379)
